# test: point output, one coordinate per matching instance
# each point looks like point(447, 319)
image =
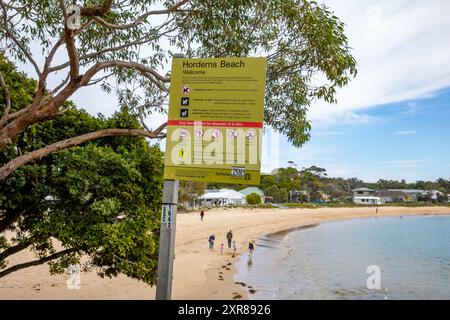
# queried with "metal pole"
point(167, 240)
point(167, 234)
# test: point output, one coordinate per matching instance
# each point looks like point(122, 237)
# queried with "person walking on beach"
point(221, 248)
point(211, 240)
point(234, 248)
point(229, 238)
point(202, 214)
point(251, 247)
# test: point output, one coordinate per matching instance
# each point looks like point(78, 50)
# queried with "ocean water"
point(330, 260)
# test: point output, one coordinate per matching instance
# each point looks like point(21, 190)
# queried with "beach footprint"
point(241, 283)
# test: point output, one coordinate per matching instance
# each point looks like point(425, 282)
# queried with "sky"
point(393, 120)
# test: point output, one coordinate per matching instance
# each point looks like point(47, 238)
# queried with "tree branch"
point(173, 9)
point(35, 262)
point(36, 155)
point(8, 219)
point(13, 250)
point(16, 41)
point(121, 64)
point(4, 117)
point(142, 40)
point(95, 11)
point(70, 46)
point(61, 85)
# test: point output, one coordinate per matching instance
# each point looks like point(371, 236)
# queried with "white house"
point(222, 197)
point(368, 200)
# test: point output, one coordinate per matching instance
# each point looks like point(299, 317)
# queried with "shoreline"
point(199, 273)
point(415, 211)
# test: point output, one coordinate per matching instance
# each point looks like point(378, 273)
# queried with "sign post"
point(167, 236)
point(167, 240)
point(214, 134)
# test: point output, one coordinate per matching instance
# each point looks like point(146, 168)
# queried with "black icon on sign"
point(185, 102)
point(184, 113)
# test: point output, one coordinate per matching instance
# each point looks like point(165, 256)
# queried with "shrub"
point(253, 199)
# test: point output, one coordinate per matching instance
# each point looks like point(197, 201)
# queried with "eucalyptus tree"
point(99, 200)
point(124, 48)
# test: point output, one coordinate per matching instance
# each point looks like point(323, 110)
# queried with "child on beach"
point(222, 246)
point(202, 214)
point(234, 248)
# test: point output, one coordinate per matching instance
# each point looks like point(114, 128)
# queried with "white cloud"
point(412, 108)
point(401, 48)
point(405, 133)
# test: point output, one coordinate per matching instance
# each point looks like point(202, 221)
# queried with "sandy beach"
point(199, 273)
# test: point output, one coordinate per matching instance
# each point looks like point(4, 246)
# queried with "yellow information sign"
point(215, 121)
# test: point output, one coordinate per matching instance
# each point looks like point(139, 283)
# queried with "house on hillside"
point(435, 194)
point(369, 200)
point(298, 196)
point(414, 194)
point(360, 192)
point(256, 190)
point(325, 197)
point(222, 197)
point(418, 194)
point(366, 196)
point(389, 196)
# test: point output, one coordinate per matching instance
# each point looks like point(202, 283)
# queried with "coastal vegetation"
point(312, 187)
point(253, 199)
point(99, 200)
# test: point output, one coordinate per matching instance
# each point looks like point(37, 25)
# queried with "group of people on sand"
point(231, 243)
